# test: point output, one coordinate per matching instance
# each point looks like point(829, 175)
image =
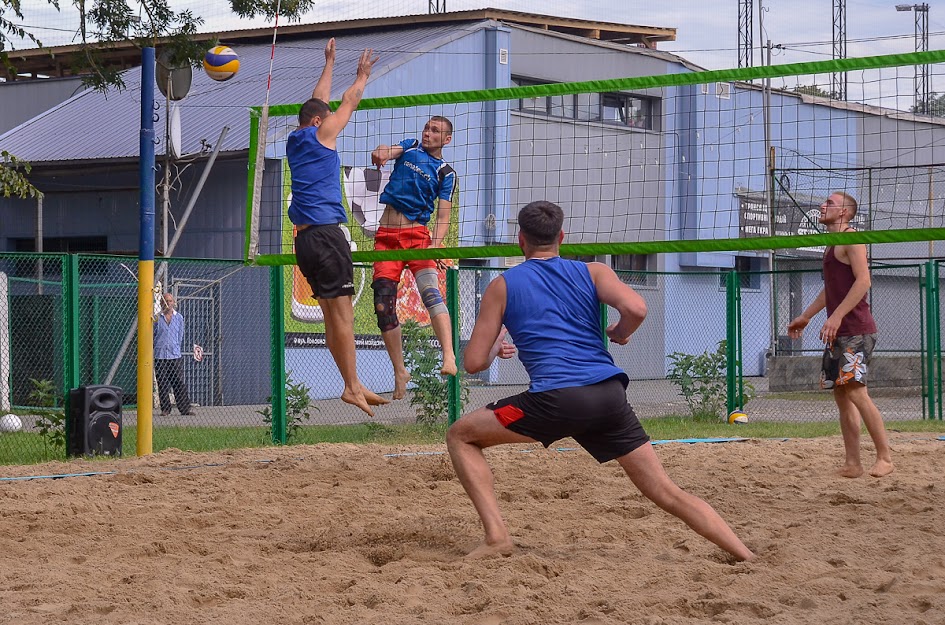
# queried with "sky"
point(707, 30)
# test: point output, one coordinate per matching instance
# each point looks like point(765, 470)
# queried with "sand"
point(348, 534)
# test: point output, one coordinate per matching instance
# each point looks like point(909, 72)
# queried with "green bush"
point(298, 407)
point(50, 422)
point(701, 380)
point(430, 393)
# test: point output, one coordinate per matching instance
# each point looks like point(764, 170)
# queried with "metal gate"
point(199, 303)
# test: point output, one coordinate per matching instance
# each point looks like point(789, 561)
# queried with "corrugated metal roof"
point(93, 125)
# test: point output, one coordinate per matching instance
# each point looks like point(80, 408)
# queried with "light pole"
point(922, 82)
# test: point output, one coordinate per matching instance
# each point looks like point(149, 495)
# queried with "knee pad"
point(428, 283)
point(385, 304)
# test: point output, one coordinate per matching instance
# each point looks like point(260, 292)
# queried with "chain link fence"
point(71, 321)
point(68, 321)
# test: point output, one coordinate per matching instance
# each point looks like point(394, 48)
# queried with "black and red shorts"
point(324, 257)
point(597, 416)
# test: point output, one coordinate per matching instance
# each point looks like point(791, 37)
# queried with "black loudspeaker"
point(95, 421)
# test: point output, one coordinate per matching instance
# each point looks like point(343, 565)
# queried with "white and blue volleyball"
point(221, 63)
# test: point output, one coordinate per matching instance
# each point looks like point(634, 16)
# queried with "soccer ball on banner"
point(10, 423)
point(221, 63)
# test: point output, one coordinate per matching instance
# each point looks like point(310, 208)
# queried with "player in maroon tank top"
point(849, 335)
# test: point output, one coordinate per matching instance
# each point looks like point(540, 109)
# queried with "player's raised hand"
point(366, 62)
point(330, 52)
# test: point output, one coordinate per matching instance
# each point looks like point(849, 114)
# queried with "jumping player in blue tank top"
point(321, 249)
point(550, 308)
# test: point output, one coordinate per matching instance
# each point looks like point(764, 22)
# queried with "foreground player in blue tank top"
point(550, 308)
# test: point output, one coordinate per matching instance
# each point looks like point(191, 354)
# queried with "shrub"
point(298, 407)
point(430, 392)
point(701, 380)
point(50, 423)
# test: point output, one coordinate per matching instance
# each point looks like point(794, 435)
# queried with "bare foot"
point(356, 399)
point(449, 365)
point(850, 470)
point(881, 468)
point(400, 384)
point(504, 549)
point(373, 398)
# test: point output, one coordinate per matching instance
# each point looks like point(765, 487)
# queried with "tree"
point(935, 107)
point(813, 90)
point(104, 23)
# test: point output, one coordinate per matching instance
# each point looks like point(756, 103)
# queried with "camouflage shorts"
point(847, 360)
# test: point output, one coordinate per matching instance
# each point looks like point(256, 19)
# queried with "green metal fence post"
point(732, 341)
point(935, 339)
point(70, 326)
point(277, 352)
point(923, 338)
point(70, 314)
point(454, 389)
point(931, 348)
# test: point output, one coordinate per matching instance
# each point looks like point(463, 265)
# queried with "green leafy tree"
point(13, 183)
point(813, 90)
point(105, 23)
point(934, 108)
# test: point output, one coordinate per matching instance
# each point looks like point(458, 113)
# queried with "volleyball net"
point(712, 161)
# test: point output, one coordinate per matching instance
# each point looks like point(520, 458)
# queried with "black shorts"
point(597, 416)
point(324, 258)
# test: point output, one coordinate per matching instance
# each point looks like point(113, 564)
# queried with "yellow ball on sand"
point(737, 417)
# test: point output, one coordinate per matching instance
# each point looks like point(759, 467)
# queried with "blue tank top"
point(559, 341)
point(316, 180)
point(417, 181)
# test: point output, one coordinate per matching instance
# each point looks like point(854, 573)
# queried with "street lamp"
point(922, 79)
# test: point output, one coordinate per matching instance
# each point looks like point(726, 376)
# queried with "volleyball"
point(221, 63)
point(737, 417)
point(10, 423)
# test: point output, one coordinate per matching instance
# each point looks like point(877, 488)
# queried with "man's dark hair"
point(312, 109)
point(445, 121)
point(540, 223)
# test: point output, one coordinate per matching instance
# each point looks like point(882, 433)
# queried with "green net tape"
point(645, 247)
point(641, 82)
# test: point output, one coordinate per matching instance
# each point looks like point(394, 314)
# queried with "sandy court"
point(346, 534)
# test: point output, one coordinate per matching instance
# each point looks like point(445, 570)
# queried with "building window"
point(612, 108)
point(588, 107)
point(749, 276)
point(633, 269)
point(626, 110)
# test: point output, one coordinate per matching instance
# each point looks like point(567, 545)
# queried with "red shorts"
point(412, 238)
